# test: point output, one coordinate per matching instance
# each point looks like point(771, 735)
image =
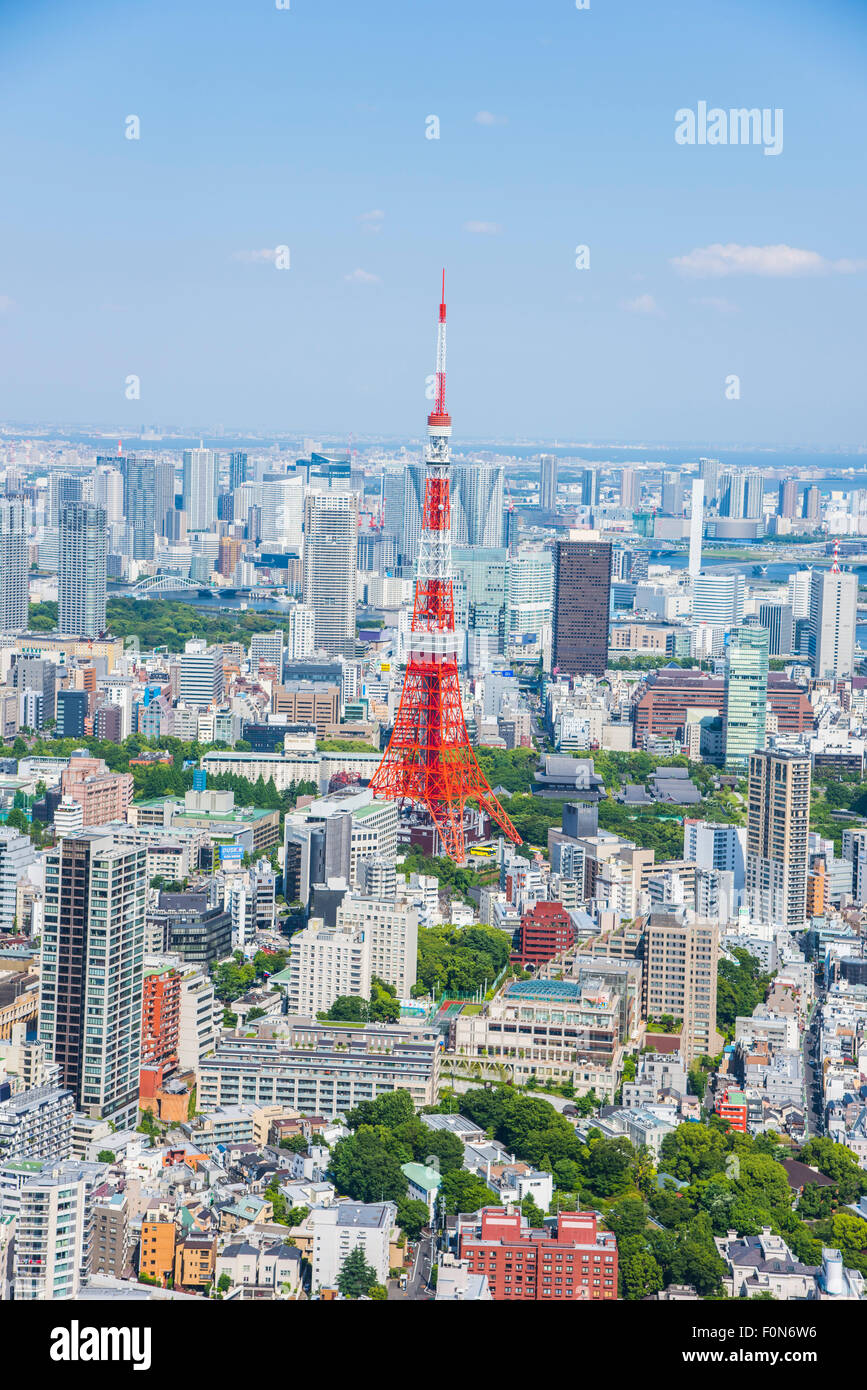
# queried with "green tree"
point(356, 1277)
point(106, 1156)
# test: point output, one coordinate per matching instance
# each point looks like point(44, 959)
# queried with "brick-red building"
point(573, 1261)
point(160, 1029)
point(544, 930)
point(732, 1106)
point(669, 694)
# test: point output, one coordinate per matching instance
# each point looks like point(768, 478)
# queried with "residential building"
point(681, 953)
point(572, 1261)
point(81, 575)
point(13, 567)
point(347, 1226)
point(54, 1231)
point(778, 820)
point(90, 991)
point(548, 482)
point(200, 488)
point(324, 964)
point(390, 928)
point(833, 615)
point(36, 1123)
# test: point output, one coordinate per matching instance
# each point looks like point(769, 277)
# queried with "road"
point(812, 1090)
point(418, 1278)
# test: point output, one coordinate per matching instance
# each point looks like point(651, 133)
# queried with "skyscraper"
point(90, 989)
point(108, 488)
point(811, 505)
point(777, 618)
point(82, 548)
point(200, 488)
point(589, 487)
point(672, 494)
point(833, 615)
point(329, 574)
point(548, 482)
point(696, 526)
point(13, 568)
point(746, 694)
point(477, 503)
point(582, 595)
point(237, 470)
point(62, 488)
point(164, 495)
point(709, 472)
point(788, 499)
point(778, 823)
point(139, 498)
point(628, 488)
point(742, 495)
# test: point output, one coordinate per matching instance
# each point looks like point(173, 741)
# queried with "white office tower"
point(90, 988)
point(696, 524)
point(282, 513)
point(799, 593)
point(329, 572)
point(718, 599)
point(833, 615)
point(325, 963)
point(300, 631)
point(108, 492)
point(201, 681)
point(54, 1230)
point(81, 557)
point(13, 567)
point(548, 482)
point(200, 488)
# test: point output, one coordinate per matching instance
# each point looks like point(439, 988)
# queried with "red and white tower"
point(429, 761)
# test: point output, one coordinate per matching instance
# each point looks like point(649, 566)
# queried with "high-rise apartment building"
point(787, 504)
point(329, 575)
point(267, 646)
point(833, 615)
point(238, 473)
point(107, 482)
point(81, 577)
point(62, 488)
point(582, 597)
point(629, 489)
point(390, 927)
point(54, 1230)
point(590, 487)
point(13, 567)
point(709, 472)
point(696, 526)
point(548, 482)
point(139, 501)
point(477, 496)
point(811, 506)
point(681, 953)
point(712, 845)
point(672, 493)
point(746, 694)
point(164, 496)
point(90, 990)
point(325, 963)
point(778, 823)
point(200, 488)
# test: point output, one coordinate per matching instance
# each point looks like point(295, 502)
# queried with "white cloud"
point(372, 221)
point(773, 261)
point(717, 302)
point(256, 257)
point(362, 277)
point(488, 118)
point(643, 304)
point(483, 228)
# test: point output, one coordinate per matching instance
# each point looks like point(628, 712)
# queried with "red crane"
point(429, 761)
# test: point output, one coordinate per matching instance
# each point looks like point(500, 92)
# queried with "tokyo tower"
point(429, 761)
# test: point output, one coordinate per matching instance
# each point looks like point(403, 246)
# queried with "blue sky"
point(306, 127)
